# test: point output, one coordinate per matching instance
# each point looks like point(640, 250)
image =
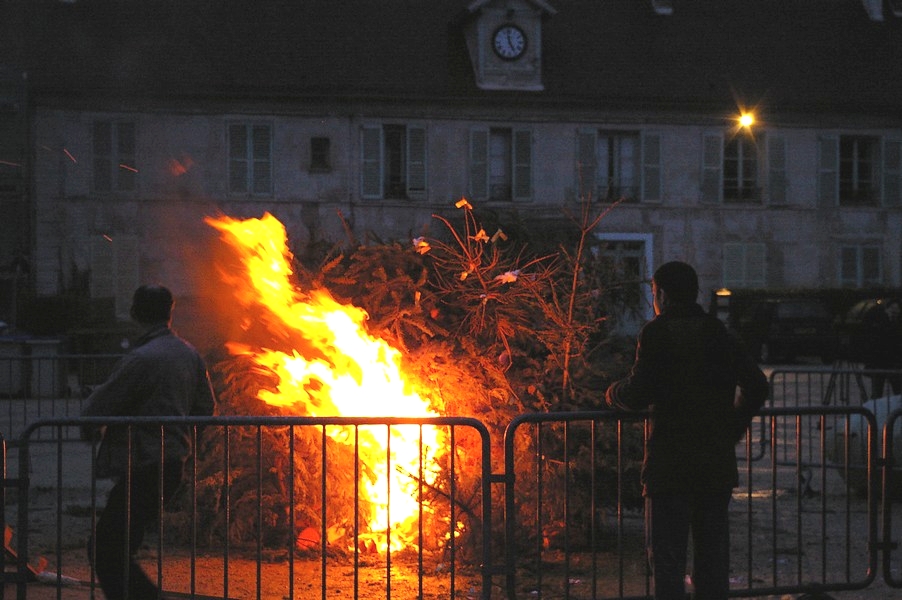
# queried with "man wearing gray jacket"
point(163, 376)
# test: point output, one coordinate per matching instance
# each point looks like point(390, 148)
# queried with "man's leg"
point(667, 531)
point(110, 546)
point(711, 546)
point(106, 547)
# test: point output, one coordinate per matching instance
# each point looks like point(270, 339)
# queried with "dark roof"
point(796, 54)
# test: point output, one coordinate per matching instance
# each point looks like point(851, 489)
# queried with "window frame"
point(258, 172)
point(375, 164)
point(859, 278)
point(713, 180)
point(647, 181)
point(744, 265)
point(114, 167)
point(741, 152)
point(886, 178)
point(518, 159)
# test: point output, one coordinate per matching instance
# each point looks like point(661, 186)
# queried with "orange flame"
point(335, 368)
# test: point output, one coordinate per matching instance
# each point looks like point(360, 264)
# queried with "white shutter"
point(416, 162)
point(733, 257)
point(892, 173)
point(371, 185)
point(828, 171)
point(756, 265)
point(776, 170)
point(126, 251)
point(585, 165)
point(103, 271)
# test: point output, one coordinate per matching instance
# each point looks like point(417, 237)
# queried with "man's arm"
point(637, 390)
point(204, 398)
point(753, 388)
point(111, 398)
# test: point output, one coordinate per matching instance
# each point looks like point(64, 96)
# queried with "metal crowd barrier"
point(34, 387)
point(224, 543)
point(892, 499)
point(815, 511)
point(796, 526)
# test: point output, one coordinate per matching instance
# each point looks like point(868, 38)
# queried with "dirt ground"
point(820, 521)
point(238, 577)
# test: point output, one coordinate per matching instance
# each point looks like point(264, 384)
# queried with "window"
point(114, 269)
point(250, 159)
point(114, 156)
point(740, 169)
point(744, 265)
point(860, 266)
point(320, 159)
point(730, 169)
point(859, 170)
point(627, 259)
point(500, 164)
point(618, 165)
point(394, 162)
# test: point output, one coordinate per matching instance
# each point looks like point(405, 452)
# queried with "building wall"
point(116, 240)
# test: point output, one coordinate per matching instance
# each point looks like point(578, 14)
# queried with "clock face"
point(509, 42)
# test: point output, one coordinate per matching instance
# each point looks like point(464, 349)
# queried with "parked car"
point(781, 329)
point(857, 336)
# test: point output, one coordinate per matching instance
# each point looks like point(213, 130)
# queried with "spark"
point(69, 154)
point(128, 167)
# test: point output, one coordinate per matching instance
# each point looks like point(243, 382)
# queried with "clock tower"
point(504, 40)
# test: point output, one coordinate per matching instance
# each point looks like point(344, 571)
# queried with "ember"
point(328, 365)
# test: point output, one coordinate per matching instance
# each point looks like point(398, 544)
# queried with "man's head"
point(674, 283)
point(152, 304)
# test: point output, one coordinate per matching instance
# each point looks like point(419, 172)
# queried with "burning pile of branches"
point(477, 326)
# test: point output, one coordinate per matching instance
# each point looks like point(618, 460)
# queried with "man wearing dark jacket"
point(163, 376)
point(702, 389)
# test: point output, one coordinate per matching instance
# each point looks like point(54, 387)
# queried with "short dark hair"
point(152, 304)
point(678, 280)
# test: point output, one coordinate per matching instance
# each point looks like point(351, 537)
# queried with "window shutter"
point(848, 265)
point(125, 142)
point(776, 170)
point(871, 269)
point(371, 171)
point(479, 165)
point(651, 168)
point(712, 160)
point(416, 162)
point(262, 159)
point(103, 271)
point(892, 173)
point(102, 140)
point(585, 164)
point(732, 265)
point(522, 184)
point(756, 265)
point(127, 254)
point(827, 171)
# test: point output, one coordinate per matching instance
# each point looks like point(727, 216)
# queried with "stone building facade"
point(372, 117)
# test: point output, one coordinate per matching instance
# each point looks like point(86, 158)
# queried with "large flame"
point(334, 368)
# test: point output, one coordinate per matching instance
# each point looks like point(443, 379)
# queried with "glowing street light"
point(746, 120)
